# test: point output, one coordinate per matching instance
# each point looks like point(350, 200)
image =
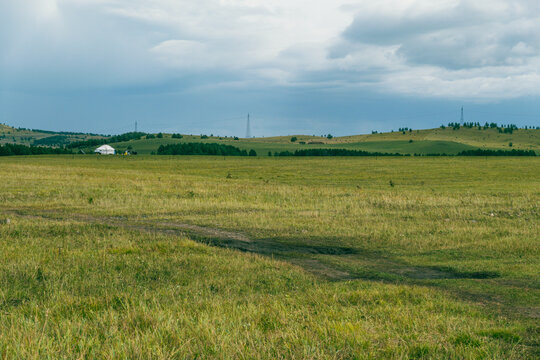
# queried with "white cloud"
point(447, 48)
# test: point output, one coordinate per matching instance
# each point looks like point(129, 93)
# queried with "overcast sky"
point(298, 66)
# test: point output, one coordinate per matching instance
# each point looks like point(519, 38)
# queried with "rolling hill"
point(431, 141)
point(12, 135)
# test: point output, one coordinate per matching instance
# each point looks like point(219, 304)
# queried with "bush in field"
point(294, 138)
point(252, 152)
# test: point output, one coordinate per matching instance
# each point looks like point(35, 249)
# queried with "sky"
point(297, 66)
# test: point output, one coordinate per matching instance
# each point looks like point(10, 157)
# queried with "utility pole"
point(462, 116)
point(135, 126)
point(248, 128)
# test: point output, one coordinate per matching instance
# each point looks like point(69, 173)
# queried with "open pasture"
point(431, 141)
point(213, 257)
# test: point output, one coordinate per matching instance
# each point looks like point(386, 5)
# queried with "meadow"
point(263, 258)
point(430, 141)
point(262, 147)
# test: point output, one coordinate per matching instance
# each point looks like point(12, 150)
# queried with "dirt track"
point(305, 256)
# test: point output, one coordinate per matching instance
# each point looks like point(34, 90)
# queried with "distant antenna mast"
point(248, 128)
point(135, 126)
point(462, 116)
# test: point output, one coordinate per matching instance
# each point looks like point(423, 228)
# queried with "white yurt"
point(105, 150)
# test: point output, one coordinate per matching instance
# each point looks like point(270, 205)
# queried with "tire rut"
point(207, 235)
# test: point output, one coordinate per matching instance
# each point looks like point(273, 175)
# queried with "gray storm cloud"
point(461, 36)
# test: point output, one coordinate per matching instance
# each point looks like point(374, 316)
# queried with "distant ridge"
point(451, 140)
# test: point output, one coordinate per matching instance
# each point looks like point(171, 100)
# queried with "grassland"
point(204, 257)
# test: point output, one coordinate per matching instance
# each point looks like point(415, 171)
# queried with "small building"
point(105, 150)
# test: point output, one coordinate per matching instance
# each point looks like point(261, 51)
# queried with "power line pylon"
point(248, 128)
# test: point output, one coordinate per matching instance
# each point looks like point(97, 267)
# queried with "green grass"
point(147, 146)
point(13, 135)
point(490, 138)
point(184, 257)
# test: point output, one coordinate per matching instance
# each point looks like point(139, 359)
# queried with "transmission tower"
point(248, 128)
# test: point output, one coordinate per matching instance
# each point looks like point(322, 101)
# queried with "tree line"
point(203, 149)
point(347, 152)
point(14, 149)
point(485, 152)
point(506, 129)
point(335, 152)
point(58, 132)
point(52, 140)
point(112, 139)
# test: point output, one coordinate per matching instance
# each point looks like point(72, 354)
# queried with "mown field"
point(264, 258)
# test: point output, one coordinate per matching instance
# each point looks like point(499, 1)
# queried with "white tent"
point(105, 150)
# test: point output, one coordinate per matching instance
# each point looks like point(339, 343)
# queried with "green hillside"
point(431, 141)
point(147, 146)
point(11, 135)
point(486, 138)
